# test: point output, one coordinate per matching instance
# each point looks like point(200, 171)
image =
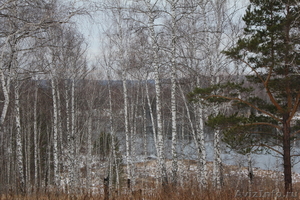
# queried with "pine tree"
point(269, 49)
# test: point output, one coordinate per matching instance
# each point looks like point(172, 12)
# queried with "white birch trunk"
point(194, 134)
point(133, 138)
point(48, 168)
point(60, 137)
point(39, 181)
point(160, 144)
point(89, 150)
point(5, 78)
point(144, 124)
point(201, 141)
point(70, 137)
point(5, 83)
point(72, 144)
point(69, 157)
point(127, 134)
point(173, 95)
point(132, 141)
point(35, 136)
point(5, 88)
point(151, 116)
point(145, 138)
point(77, 146)
point(9, 156)
point(111, 172)
point(55, 133)
point(217, 169)
point(19, 144)
point(27, 154)
point(113, 135)
point(217, 164)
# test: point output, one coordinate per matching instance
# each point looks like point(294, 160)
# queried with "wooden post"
point(128, 184)
point(106, 188)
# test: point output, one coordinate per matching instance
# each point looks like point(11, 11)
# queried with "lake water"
point(187, 150)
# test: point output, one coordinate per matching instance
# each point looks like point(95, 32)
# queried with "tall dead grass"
point(234, 188)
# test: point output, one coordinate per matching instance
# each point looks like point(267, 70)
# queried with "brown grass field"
point(169, 192)
point(236, 186)
point(265, 191)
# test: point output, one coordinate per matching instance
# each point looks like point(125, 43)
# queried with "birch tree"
point(113, 134)
point(151, 14)
point(19, 142)
point(119, 38)
point(219, 9)
point(35, 135)
point(23, 24)
point(194, 67)
point(75, 55)
point(178, 10)
point(55, 133)
point(173, 13)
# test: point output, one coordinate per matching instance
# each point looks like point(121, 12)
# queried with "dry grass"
point(236, 186)
point(178, 194)
point(261, 189)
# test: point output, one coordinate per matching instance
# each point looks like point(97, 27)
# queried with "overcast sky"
point(92, 26)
